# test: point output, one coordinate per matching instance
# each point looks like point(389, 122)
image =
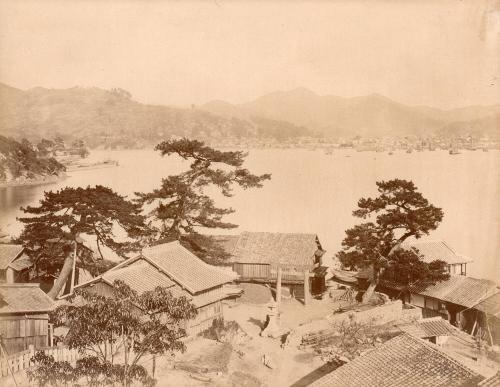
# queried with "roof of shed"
point(491, 305)
point(429, 327)
point(21, 263)
point(24, 298)
point(402, 361)
point(8, 252)
point(493, 381)
point(275, 248)
point(436, 250)
point(459, 290)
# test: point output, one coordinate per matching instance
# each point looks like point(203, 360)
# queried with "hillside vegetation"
point(22, 162)
point(113, 118)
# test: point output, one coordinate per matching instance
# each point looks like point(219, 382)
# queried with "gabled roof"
point(185, 268)
point(436, 250)
point(140, 275)
point(276, 248)
point(24, 298)
point(490, 305)
point(429, 327)
point(9, 252)
point(459, 290)
point(402, 361)
point(21, 263)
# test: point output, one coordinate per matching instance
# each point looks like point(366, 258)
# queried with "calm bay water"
point(314, 192)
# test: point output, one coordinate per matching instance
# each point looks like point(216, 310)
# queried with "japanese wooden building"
point(24, 317)
point(172, 266)
point(256, 257)
point(14, 264)
point(439, 250)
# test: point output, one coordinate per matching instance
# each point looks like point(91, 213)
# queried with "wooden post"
point(307, 293)
point(3, 354)
point(73, 271)
point(278, 288)
point(10, 275)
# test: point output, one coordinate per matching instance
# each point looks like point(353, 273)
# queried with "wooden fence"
point(22, 360)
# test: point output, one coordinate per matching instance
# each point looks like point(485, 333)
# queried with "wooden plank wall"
point(206, 315)
point(247, 270)
point(19, 332)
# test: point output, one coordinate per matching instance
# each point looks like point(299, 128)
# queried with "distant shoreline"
point(32, 182)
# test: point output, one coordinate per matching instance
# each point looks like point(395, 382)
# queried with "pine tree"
point(51, 235)
point(180, 207)
point(398, 213)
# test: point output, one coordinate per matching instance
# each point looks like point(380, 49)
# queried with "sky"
point(439, 53)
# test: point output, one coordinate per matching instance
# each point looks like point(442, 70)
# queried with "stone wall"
point(378, 315)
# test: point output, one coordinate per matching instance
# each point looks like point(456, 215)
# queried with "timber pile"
point(320, 338)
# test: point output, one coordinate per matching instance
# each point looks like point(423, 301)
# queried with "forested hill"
point(22, 162)
point(112, 117)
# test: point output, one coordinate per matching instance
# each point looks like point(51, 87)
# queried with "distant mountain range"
point(371, 115)
point(112, 117)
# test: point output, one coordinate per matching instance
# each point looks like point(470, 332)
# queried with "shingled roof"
point(491, 305)
point(273, 248)
point(185, 268)
point(429, 327)
point(459, 290)
point(402, 361)
point(9, 252)
point(436, 250)
point(24, 298)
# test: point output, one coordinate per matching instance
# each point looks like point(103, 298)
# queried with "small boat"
point(454, 151)
point(409, 150)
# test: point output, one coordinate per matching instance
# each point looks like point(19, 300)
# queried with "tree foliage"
point(396, 214)
point(22, 159)
point(130, 325)
point(352, 339)
point(69, 212)
point(407, 267)
point(181, 206)
point(50, 234)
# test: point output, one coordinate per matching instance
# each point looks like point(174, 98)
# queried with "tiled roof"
point(429, 327)
point(24, 298)
point(434, 250)
point(493, 381)
point(274, 248)
point(402, 361)
point(185, 268)
point(7, 254)
point(491, 305)
point(459, 290)
point(140, 275)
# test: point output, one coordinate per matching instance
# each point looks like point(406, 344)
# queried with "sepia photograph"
point(237, 193)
